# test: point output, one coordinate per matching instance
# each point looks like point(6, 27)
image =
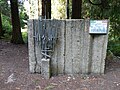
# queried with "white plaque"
point(98, 27)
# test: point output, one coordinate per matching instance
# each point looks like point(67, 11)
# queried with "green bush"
point(25, 36)
point(114, 47)
point(7, 27)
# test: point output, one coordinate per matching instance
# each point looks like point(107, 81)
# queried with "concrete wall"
point(76, 51)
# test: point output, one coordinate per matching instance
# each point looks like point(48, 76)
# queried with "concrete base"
point(45, 69)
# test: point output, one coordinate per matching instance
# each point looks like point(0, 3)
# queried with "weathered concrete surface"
point(31, 46)
point(45, 68)
point(76, 51)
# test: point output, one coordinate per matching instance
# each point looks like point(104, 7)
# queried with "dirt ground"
point(14, 74)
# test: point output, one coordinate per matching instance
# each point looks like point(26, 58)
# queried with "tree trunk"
point(76, 9)
point(46, 8)
point(67, 8)
point(1, 31)
point(16, 33)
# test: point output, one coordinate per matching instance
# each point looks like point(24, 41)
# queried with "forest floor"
point(14, 74)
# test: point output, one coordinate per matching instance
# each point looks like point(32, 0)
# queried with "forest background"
point(62, 9)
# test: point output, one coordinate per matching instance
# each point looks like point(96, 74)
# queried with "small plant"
point(25, 36)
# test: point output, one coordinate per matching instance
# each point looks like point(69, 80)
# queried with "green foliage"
point(111, 12)
point(23, 17)
point(4, 7)
point(7, 28)
point(114, 47)
point(6, 19)
point(58, 9)
point(25, 36)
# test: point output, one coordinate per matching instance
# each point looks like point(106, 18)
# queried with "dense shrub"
point(7, 28)
point(114, 47)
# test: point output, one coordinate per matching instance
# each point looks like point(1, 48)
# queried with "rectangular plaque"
point(98, 27)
